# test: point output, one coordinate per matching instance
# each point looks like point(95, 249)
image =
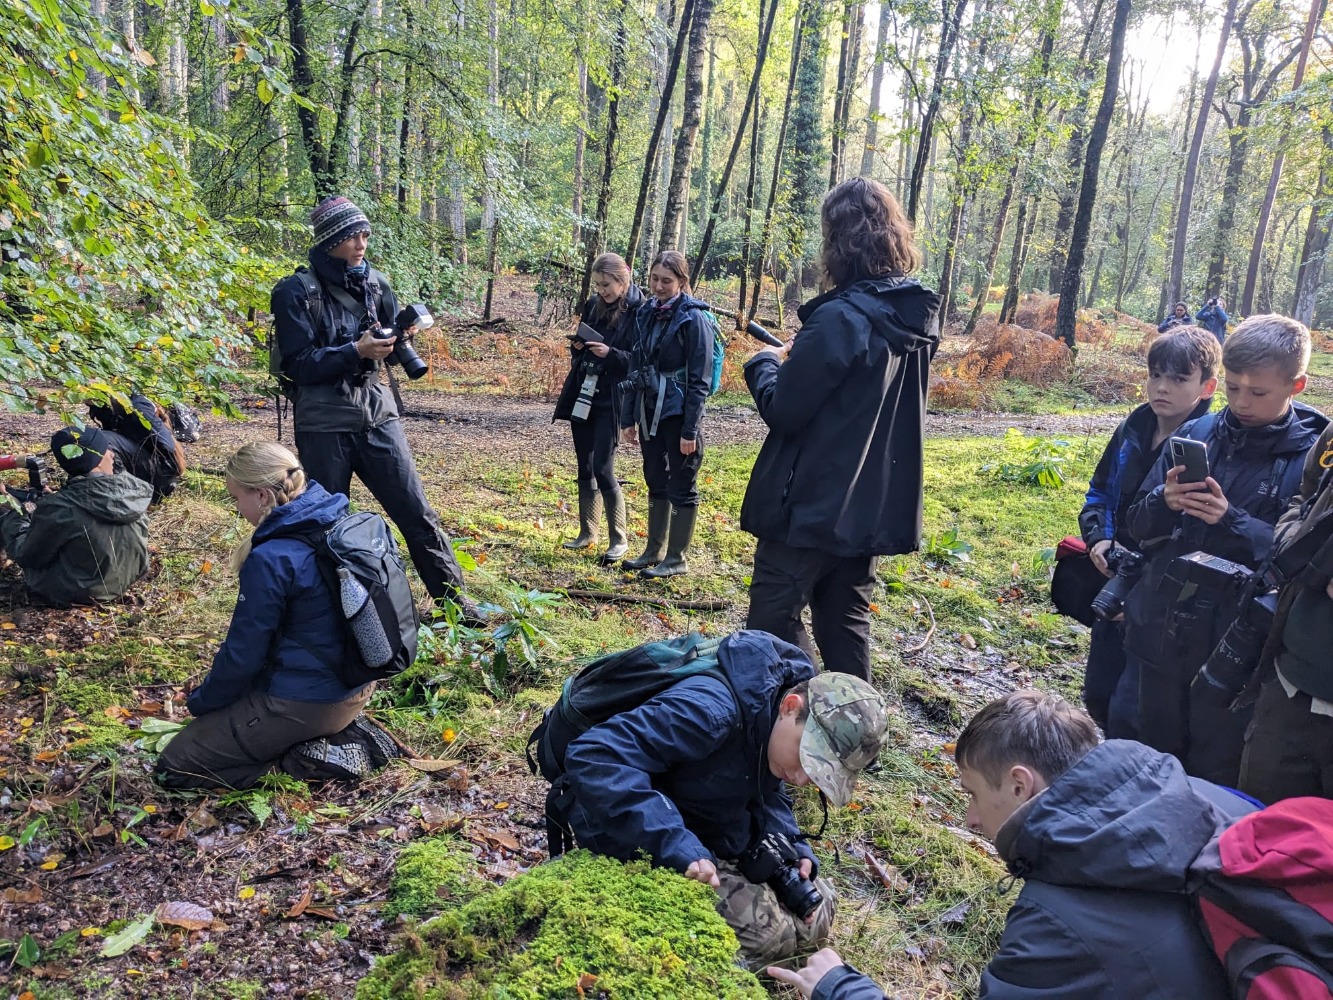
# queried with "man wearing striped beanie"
point(334, 330)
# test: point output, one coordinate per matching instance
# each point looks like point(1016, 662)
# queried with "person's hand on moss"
point(703, 871)
point(821, 964)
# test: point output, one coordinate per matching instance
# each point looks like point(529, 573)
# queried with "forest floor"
point(111, 887)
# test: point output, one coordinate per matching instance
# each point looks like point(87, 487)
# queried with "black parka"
point(841, 469)
point(619, 336)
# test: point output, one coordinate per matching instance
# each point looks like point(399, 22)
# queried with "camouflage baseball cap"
point(843, 732)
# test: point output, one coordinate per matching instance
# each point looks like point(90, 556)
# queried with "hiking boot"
point(659, 523)
point(587, 519)
point(682, 533)
point(617, 538)
point(372, 736)
point(326, 760)
point(469, 612)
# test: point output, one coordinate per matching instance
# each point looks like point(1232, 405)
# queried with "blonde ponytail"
point(265, 465)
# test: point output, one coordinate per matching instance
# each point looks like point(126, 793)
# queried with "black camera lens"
point(405, 354)
point(795, 893)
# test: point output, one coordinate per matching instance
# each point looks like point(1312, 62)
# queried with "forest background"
point(163, 155)
point(157, 165)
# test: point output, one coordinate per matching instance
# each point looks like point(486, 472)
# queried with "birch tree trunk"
point(678, 187)
point(876, 87)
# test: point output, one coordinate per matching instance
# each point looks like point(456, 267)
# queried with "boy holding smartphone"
point(1182, 376)
point(1255, 449)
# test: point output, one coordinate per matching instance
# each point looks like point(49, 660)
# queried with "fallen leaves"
point(495, 838)
point(22, 897)
point(246, 893)
point(887, 875)
point(135, 932)
point(190, 916)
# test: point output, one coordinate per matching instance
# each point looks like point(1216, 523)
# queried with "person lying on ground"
point(1102, 835)
point(274, 698)
point(694, 778)
point(139, 431)
point(1180, 608)
point(1182, 377)
point(88, 541)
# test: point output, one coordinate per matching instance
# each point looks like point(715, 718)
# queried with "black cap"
point(77, 451)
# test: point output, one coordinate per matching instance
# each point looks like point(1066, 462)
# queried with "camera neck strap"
point(357, 309)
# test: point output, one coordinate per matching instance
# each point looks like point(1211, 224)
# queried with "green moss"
point(643, 932)
point(433, 873)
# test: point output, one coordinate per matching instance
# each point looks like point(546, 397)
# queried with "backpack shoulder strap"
point(314, 295)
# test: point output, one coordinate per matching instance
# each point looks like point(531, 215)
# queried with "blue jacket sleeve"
point(698, 340)
point(611, 769)
point(254, 628)
point(1165, 325)
point(1040, 958)
point(846, 983)
point(1096, 521)
point(831, 343)
point(303, 360)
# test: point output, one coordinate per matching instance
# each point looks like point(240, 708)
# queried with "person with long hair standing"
point(273, 697)
point(671, 367)
point(590, 401)
point(838, 481)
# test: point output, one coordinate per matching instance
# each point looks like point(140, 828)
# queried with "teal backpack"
point(719, 350)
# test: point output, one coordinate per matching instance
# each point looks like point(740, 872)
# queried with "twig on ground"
point(661, 602)
point(920, 646)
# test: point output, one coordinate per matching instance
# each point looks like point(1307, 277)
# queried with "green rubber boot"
point(617, 538)
point(588, 514)
point(659, 523)
point(682, 533)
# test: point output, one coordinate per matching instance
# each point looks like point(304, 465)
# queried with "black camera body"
point(1127, 565)
point(404, 354)
point(644, 379)
point(35, 468)
point(774, 862)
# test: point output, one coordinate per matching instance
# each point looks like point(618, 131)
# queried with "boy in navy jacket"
point(1182, 376)
point(1255, 450)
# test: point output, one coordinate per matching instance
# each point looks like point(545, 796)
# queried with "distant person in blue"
point(1180, 316)
point(1213, 318)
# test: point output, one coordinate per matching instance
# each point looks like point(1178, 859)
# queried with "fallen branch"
point(661, 602)
point(912, 651)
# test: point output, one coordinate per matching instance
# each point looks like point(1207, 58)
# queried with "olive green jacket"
point(87, 542)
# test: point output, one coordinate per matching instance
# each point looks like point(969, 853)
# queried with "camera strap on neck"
point(357, 309)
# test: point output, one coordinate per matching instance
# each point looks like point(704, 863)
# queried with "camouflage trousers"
point(768, 932)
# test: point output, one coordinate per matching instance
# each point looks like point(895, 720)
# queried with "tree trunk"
point(751, 98)
point(1001, 220)
point(873, 115)
point(678, 188)
point(580, 146)
point(303, 82)
point(1314, 250)
point(945, 289)
point(127, 28)
point(97, 11)
point(766, 232)
point(1275, 177)
point(948, 38)
point(807, 128)
point(405, 128)
point(706, 153)
point(1087, 199)
point(608, 146)
point(650, 157)
point(849, 50)
point(749, 208)
point(488, 159)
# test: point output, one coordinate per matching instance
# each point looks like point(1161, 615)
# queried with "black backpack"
point(609, 685)
point(359, 562)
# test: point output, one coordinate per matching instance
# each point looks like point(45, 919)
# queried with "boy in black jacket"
point(1176, 614)
point(1182, 376)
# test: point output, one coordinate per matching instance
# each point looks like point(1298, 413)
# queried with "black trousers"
point(595, 441)
point(668, 474)
point(1288, 749)
point(1106, 664)
point(836, 589)
point(382, 460)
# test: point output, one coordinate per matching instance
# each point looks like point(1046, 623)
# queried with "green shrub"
point(643, 932)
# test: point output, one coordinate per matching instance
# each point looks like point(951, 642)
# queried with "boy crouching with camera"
point(694, 778)
point(1204, 539)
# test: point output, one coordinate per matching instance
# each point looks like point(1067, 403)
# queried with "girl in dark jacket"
point(274, 691)
point(838, 481)
point(590, 401)
point(672, 364)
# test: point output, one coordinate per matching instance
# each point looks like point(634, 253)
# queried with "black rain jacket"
point(842, 467)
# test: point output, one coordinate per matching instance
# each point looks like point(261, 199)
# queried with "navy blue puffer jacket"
point(285, 636)
point(685, 775)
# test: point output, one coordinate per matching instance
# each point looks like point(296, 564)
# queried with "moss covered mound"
point(433, 874)
point(644, 933)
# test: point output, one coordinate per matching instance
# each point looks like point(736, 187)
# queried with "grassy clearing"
point(84, 681)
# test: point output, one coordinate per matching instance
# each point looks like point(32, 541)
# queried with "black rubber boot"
point(617, 538)
point(588, 514)
point(659, 523)
point(682, 532)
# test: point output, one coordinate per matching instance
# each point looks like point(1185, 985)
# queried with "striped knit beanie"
point(335, 220)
